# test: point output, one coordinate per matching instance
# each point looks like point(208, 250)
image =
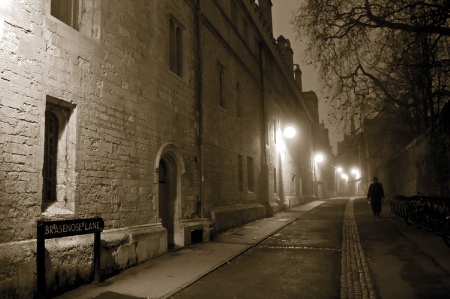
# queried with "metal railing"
point(428, 212)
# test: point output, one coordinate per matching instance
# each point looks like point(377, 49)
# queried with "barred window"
point(240, 173)
point(274, 180)
point(221, 75)
point(238, 91)
point(50, 156)
point(58, 169)
point(250, 174)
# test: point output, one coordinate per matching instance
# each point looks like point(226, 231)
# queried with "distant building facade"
point(405, 163)
point(351, 158)
point(327, 170)
point(165, 118)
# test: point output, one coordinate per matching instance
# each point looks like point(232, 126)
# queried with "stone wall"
point(400, 173)
point(111, 79)
point(125, 105)
point(412, 171)
point(232, 119)
point(120, 112)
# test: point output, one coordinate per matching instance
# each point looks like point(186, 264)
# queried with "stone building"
point(350, 157)
point(326, 171)
point(406, 163)
point(164, 118)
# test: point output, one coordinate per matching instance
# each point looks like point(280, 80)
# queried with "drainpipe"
point(199, 87)
point(264, 177)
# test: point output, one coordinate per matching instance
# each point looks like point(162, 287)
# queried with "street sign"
point(66, 228)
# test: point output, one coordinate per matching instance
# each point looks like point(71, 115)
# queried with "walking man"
point(375, 195)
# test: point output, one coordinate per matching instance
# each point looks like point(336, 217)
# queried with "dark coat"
point(376, 191)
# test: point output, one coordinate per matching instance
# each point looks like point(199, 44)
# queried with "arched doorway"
point(170, 168)
point(167, 197)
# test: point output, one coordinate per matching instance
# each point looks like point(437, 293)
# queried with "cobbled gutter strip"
point(300, 248)
point(356, 281)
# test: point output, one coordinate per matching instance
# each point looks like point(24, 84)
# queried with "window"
point(234, 16)
point(58, 171)
point(274, 180)
point(240, 173)
point(250, 175)
point(256, 46)
point(238, 91)
point(176, 47)
point(297, 184)
point(50, 156)
point(221, 71)
point(275, 129)
point(245, 29)
point(269, 67)
point(66, 11)
point(298, 188)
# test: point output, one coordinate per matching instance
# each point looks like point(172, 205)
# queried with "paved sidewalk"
point(165, 275)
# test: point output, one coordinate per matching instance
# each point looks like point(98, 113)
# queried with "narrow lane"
point(303, 260)
point(337, 250)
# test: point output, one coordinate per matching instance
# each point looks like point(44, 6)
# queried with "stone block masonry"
point(123, 104)
point(153, 115)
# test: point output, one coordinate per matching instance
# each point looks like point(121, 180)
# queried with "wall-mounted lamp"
point(319, 158)
point(356, 173)
point(289, 132)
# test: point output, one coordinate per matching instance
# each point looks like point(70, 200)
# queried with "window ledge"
point(56, 209)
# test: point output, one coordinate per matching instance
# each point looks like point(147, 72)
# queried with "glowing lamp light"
point(355, 172)
point(7, 4)
point(319, 158)
point(339, 169)
point(289, 132)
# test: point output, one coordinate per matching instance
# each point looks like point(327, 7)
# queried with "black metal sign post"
point(65, 228)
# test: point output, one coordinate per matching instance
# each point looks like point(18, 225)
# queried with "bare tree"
point(381, 51)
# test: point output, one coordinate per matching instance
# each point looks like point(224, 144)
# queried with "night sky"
point(282, 13)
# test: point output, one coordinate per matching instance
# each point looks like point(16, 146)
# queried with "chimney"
point(281, 41)
point(266, 9)
point(289, 54)
point(298, 77)
point(285, 47)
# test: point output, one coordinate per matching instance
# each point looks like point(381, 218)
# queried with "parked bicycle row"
point(428, 212)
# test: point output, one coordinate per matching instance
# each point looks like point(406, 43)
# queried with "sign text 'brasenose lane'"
point(62, 228)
